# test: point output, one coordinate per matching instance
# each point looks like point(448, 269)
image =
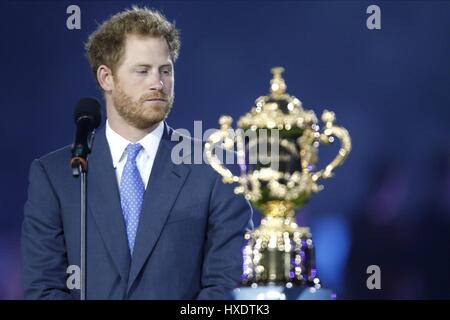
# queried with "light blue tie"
point(131, 193)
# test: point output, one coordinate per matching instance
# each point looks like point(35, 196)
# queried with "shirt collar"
point(118, 144)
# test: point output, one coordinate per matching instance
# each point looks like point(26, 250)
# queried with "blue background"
point(388, 205)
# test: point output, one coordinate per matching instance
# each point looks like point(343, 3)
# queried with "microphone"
point(87, 117)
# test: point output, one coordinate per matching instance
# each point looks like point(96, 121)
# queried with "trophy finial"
point(277, 84)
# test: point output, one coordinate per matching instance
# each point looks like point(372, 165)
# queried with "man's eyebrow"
point(149, 65)
point(142, 65)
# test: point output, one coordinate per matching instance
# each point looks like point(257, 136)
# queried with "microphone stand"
point(79, 169)
point(87, 118)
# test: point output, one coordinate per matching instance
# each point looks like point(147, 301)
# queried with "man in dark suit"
point(155, 229)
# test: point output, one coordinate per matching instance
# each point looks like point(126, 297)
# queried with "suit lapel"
point(166, 180)
point(104, 202)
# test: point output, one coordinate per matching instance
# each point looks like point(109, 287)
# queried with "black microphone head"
point(88, 107)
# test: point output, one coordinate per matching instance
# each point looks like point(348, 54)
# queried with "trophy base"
point(283, 293)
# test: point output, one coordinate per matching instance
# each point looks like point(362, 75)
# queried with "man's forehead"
point(147, 50)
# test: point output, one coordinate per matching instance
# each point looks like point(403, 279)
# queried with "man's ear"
point(105, 78)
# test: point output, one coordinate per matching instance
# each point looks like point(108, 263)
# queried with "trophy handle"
point(327, 136)
point(223, 134)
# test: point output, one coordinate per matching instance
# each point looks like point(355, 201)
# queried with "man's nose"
point(155, 82)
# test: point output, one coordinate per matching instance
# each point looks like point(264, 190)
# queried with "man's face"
point(143, 83)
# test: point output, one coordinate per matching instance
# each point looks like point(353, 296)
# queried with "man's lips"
point(156, 99)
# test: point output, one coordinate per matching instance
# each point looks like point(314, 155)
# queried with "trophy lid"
point(277, 84)
point(278, 109)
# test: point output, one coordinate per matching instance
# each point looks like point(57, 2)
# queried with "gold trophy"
point(280, 180)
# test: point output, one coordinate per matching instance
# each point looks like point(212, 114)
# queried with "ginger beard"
point(141, 114)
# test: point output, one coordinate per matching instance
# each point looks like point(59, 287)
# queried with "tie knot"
point(133, 150)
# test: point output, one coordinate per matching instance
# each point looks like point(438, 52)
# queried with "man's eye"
point(141, 71)
point(167, 72)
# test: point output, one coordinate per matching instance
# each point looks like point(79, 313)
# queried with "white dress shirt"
point(145, 158)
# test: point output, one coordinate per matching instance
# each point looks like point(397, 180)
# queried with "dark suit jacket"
point(188, 243)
